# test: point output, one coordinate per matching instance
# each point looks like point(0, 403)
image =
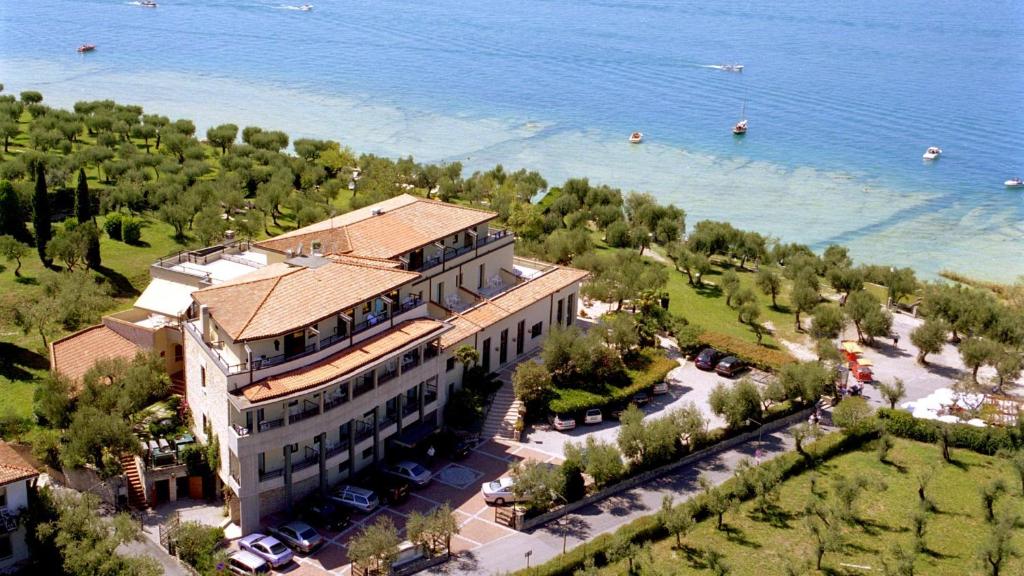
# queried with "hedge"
point(758, 356)
point(575, 400)
point(112, 225)
point(648, 528)
point(988, 440)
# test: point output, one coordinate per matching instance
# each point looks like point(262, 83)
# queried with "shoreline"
point(878, 222)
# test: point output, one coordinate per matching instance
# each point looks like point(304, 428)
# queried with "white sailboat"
point(741, 127)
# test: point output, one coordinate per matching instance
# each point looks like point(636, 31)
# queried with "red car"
point(861, 370)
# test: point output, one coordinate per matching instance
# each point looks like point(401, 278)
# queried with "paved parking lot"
point(457, 483)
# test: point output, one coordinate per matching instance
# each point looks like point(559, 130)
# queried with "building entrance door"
point(503, 348)
point(294, 344)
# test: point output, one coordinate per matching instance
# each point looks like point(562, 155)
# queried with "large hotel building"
point(313, 354)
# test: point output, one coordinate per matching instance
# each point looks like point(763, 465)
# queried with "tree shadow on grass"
point(873, 528)
point(122, 287)
point(694, 556)
point(27, 280)
point(736, 535)
point(706, 290)
point(773, 515)
point(15, 362)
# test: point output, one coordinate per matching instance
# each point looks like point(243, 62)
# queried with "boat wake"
point(725, 67)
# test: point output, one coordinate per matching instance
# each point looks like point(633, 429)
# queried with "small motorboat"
point(86, 48)
point(1014, 183)
point(740, 128)
point(733, 67)
point(636, 137)
point(306, 7)
point(932, 153)
point(147, 4)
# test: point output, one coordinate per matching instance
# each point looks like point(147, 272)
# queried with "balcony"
point(271, 474)
point(311, 460)
point(492, 237)
point(339, 448)
point(371, 321)
point(363, 431)
point(266, 425)
point(300, 416)
point(335, 402)
point(410, 408)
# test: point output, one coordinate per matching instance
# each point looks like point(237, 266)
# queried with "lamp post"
point(563, 521)
point(757, 452)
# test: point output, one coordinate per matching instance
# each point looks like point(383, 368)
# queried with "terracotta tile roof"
point(14, 466)
point(343, 362)
point(510, 302)
point(405, 223)
point(74, 355)
point(281, 298)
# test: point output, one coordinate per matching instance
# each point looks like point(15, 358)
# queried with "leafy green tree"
point(865, 311)
point(531, 382)
point(989, 493)
point(730, 285)
point(760, 480)
point(209, 226)
point(601, 460)
point(716, 501)
point(375, 547)
point(836, 256)
point(432, 529)
point(827, 322)
point(631, 433)
point(846, 280)
point(12, 216)
point(87, 221)
point(852, 413)
point(31, 97)
point(804, 297)
point(198, 546)
point(537, 484)
point(770, 282)
point(899, 283)
point(803, 432)
point(52, 401)
point(678, 520)
point(70, 245)
point(98, 439)
point(999, 547)
point(824, 537)
point(1008, 362)
point(617, 234)
point(737, 403)
point(804, 381)
point(929, 338)
point(894, 392)
point(8, 129)
point(222, 136)
point(978, 351)
point(41, 216)
point(13, 250)
point(85, 543)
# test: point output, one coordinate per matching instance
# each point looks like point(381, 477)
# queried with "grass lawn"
point(752, 544)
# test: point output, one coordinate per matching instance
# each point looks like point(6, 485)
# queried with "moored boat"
point(740, 128)
point(1014, 183)
point(86, 48)
point(636, 137)
point(932, 153)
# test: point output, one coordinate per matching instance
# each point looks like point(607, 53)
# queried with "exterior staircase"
point(136, 493)
point(501, 418)
point(178, 383)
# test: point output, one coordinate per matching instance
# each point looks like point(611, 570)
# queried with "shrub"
point(112, 225)
point(652, 366)
point(197, 546)
point(131, 230)
point(737, 403)
point(852, 414)
point(757, 356)
point(982, 440)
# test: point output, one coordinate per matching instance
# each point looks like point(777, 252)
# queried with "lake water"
point(842, 98)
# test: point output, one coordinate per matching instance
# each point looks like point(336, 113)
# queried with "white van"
point(247, 564)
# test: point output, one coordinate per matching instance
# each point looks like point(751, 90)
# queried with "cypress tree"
point(41, 215)
point(12, 216)
point(83, 211)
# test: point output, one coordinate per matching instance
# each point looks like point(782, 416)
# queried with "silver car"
point(499, 491)
point(410, 472)
point(300, 536)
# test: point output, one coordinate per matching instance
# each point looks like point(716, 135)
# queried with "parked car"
point(561, 422)
point(730, 366)
point(323, 513)
point(708, 359)
point(267, 547)
point(355, 497)
point(593, 416)
point(660, 388)
point(499, 492)
point(299, 536)
point(410, 471)
point(463, 446)
point(390, 489)
point(245, 563)
point(640, 398)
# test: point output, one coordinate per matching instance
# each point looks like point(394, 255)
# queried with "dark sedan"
point(708, 359)
point(730, 366)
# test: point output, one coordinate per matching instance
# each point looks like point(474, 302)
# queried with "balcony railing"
point(493, 236)
point(299, 416)
point(311, 460)
point(388, 420)
point(363, 432)
point(266, 425)
point(269, 474)
point(362, 387)
point(410, 408)
point(335, 402)
point(338, 448)
point(371, 321)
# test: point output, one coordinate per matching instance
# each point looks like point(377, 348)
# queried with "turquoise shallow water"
point(842, 99)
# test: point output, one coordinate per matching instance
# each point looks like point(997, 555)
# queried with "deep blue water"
point(842, 98)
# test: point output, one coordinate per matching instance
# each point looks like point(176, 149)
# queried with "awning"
point(852, 347)
point(166, 297)
point(414, 435)
point(865, 362)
